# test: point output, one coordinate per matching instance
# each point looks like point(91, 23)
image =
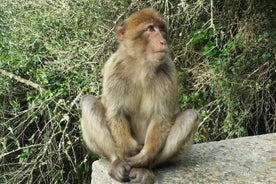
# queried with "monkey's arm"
point(120, 131)
point(156, 136)
point(114, 90)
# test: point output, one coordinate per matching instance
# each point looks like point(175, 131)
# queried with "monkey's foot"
point(141, 176)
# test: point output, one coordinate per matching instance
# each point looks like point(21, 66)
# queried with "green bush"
point(52, 52)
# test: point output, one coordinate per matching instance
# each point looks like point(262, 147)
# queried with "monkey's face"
point(143, 37)
point(156, 44)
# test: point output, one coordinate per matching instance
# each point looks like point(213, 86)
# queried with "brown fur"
point(134, 124)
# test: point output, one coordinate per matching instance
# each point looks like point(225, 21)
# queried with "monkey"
point(136, 124)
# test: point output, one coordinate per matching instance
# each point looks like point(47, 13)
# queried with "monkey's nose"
point(163, 42)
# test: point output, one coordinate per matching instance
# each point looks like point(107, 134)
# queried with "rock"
point(241, 160)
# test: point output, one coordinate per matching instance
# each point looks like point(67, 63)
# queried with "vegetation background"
point(52, 52)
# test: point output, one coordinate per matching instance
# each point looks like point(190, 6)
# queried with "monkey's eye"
point(150, 28)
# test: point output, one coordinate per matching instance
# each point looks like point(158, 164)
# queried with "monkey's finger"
point(133, 177)
point(141, 176)
point(120, 174)
point(120, 170)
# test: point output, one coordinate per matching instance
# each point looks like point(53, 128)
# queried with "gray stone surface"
point(242, 160)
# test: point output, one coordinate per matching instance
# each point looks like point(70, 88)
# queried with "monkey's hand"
point(141, 175)
point(119, 170)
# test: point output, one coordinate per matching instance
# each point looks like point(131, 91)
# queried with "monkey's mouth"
point(160, 53)
point(161, 50)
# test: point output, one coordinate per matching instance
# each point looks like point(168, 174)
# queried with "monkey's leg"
point(180, 137)
point(98, 138)
point(95, 132)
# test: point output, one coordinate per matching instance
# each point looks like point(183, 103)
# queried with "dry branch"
point(22, 80)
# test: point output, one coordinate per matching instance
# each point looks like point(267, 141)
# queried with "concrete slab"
point(241, 160)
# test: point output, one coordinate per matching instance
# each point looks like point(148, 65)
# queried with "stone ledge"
point(241, 160)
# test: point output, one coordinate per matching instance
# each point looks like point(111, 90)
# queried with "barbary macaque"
point(135, 125)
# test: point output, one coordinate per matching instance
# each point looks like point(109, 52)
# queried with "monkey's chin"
point(157, 57)
point(155, 61)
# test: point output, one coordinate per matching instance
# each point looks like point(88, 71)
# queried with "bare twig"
point(212, 24)
point(19, 149)
point(22, 80)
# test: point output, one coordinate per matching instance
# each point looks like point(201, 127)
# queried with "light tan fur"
point(135, 123)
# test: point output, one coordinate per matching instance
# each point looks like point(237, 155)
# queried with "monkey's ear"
point(120, 32)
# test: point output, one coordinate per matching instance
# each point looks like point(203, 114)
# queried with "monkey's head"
point(144, 35)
